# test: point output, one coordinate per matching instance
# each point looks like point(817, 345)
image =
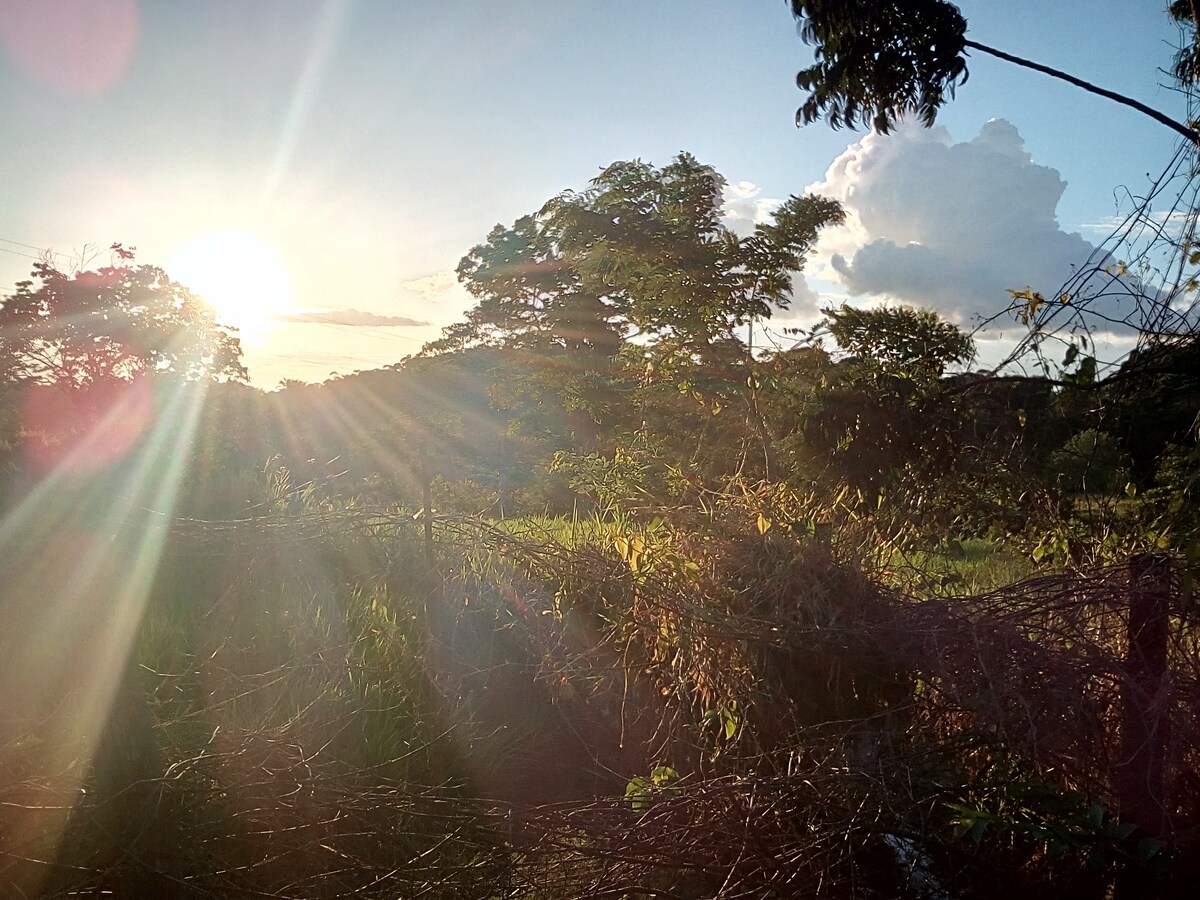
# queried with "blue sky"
point(370, 144)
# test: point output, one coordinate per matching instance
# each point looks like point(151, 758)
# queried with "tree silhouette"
point(110, 324)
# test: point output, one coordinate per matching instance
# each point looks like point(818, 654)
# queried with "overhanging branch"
point(1162, 118)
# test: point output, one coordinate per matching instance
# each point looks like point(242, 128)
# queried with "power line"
point(42, 252)
point(19, 253)
point(4, 240)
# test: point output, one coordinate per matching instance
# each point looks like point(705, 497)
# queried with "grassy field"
point(968, 567)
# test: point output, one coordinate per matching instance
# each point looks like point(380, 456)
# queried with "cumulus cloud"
point(952, 226)
point(745, 207)
point(355, 317)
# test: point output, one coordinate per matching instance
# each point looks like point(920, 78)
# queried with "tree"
point(530, 296)
point(880, 60)
point(110, 324)
point(635, 286)
point(641, 252)
point(1187, 60)
point(1154, 403)
point(1090, 462)
point(898, 342)
point(531, 303)
point(886, 408)
point(653, 242)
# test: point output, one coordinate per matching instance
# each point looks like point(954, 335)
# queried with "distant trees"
point(880, 412)
point(110, 324)
point(898, 343)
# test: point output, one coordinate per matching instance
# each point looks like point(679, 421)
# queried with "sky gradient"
point(370, 144)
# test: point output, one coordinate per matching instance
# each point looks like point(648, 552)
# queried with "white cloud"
point(1173, 219)
point(744, 208)
point(741, 190)
point(952, 226)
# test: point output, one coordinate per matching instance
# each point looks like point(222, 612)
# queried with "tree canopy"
point(642, 251)
point(879, 60)
point(112, 323)
point(900, 342)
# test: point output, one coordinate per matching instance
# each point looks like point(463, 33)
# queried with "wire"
point(4, 240)
point(19, 253)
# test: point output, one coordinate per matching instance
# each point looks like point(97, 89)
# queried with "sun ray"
point(332, 15)
point(89, 549)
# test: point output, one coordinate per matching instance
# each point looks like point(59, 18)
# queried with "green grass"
point(973, 566)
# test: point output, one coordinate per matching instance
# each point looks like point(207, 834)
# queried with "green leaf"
point(663, 775)
point(637, 791)
point(729, 720)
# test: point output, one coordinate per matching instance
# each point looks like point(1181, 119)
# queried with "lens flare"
point(80, 48)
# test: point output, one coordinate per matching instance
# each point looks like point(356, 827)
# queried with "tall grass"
point(275, 733)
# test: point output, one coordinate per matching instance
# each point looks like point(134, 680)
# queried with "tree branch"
point(1191, 134)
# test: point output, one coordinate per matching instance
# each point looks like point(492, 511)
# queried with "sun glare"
point(243, 279)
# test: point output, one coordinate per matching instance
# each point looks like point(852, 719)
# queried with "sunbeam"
point(324, 39)
point(80, 555)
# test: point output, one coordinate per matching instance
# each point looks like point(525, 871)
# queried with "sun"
point(243, 279)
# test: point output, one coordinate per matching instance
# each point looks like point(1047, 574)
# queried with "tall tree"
point(641, 252)
point(530, 296)
point(641, 259)
point(533, 303)
point(653, 241)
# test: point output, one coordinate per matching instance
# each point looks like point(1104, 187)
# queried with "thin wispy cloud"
point(1171, 222)
point(352, 317)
